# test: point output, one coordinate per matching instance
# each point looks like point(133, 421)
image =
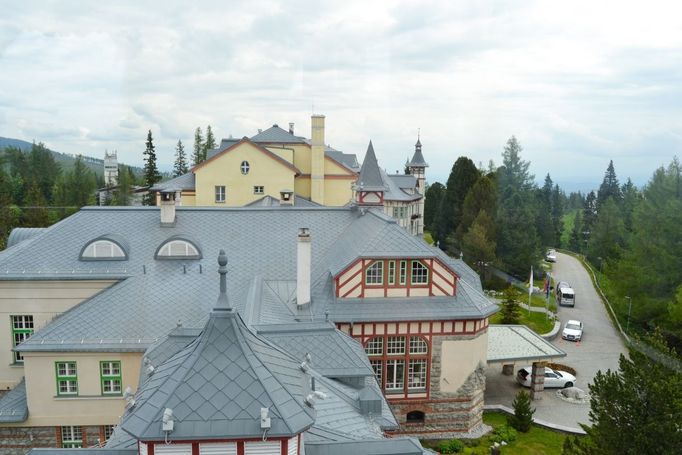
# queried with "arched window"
point(178, 249)
point(375, 273)
point(415, 417)
point(103, 250)
point(244, 167)
point(420, 273)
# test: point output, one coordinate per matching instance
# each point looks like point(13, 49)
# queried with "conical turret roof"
point(418, 158)
point(370, 175)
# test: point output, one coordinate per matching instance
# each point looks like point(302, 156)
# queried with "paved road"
point(599, 350)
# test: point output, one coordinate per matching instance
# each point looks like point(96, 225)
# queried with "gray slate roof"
point(155, 295)
point(370, 174)
point(184, 182)
point(217, 386)
point(418, 158)
point(350, 160)
point(395, 185)
point(18, 235)
point(394, 446)
point(269, 201)
point(13, 406)
point(275, 134)
point(334, 354)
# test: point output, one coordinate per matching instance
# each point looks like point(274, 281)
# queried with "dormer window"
point(375, 273)
point(103, 250)
point(178, 249)
point(420, 273)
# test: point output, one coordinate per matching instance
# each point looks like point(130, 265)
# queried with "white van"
point(565, 295)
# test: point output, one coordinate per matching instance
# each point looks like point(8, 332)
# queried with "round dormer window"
point(245, 167)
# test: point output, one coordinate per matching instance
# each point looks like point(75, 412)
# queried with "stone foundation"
point(19, 440)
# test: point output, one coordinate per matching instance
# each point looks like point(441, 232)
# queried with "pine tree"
point(198, 155)
point(151, 173)
point(609, 188)
point(180, 165)
point(433, 196)
point(477, 245)
point(523, 413)
point(124, 191)
point(510, 309)
point(575, 242)
point(558, 200)
point(209, 144)
point(36, 214)
point(80, 185)
point(463, 176)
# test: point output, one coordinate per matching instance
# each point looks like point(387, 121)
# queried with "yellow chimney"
point(317, 159)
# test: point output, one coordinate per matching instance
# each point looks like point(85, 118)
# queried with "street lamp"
point(627, 327)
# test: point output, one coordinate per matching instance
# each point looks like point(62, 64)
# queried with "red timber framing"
point(366, 331)
point(352, 281)
point(362, 196)
point(240, 443)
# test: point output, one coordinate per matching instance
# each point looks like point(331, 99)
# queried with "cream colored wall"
point(89, 407)
point(337, 192)
point(459, 358)
point(285, 152)
point(188, 200)
point(225, 170)
point(302, 186)
point(44, 300)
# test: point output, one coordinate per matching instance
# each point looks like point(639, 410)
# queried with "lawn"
point(537, 322)
point(538, 441)
point(428, 238)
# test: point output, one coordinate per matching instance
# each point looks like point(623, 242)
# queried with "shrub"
point(451, 446)
point(562, 367)
point(523, 414)
point(504, 433)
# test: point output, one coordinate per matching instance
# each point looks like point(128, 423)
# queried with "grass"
point(428, 238)
point(537, 322)
point(538, 441)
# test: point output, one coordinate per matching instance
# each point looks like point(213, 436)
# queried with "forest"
point(632, 237)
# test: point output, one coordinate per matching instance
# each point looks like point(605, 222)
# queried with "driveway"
point(599, 350)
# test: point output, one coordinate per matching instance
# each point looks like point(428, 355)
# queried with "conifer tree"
point(511, 311)
point(198, 155)
point(122, 195)
point(523, 413)
point(209, 143)
point(180, 165)
point(151, 172)
point(609, 188)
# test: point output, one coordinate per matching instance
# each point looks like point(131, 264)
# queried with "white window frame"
point(375, 346)
point(103, 249)
point(395, 368)
point(418, 346)
point(22, 328)
point(72, 436)
point(416, 374)
point(220, 194)
point(67, 378)
point(258, 189)
point(374, 274)
point(244, 167)
point(166, 250)
point(395, 345)
point(422, 273)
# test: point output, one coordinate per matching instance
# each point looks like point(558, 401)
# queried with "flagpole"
point(530, 288)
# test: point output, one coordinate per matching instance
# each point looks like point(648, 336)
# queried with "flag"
point(530, 285)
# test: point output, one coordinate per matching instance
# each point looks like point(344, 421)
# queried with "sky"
point(578, 83)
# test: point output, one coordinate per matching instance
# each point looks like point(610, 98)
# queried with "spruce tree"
point(510, 309)
point(432, 197)
point(180, 165)
point(609, 188)
point(463, 176)
point(523, 413)
point(198, 155)
point(575, 242)
point(151, 173)
point(123, 194)
point(209, 143)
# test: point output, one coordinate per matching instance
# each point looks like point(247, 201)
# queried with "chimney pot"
point(169, 199)
point(291, 128)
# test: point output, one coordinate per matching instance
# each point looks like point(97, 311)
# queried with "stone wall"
point(19, 440)
point(447, 415)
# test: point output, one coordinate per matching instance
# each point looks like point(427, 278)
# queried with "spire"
point(370, 175)
point(418, 158)
point(223, 304)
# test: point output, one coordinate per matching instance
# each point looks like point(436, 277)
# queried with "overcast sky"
point(578, 83)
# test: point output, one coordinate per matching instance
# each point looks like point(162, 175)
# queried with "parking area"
point(599, 350)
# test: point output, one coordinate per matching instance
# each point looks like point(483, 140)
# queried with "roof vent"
point(370, 401)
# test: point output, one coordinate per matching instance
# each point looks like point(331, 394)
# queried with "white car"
point(553, 378)
point(551, 256)
point(573, 330)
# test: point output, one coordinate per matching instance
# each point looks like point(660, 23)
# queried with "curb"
point(542, 423)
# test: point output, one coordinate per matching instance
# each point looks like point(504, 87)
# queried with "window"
point(391, 272)
point(395, 375)
point(220, 193)
point(375, 346)
point(72, 437)
point(258, 189)
point(416, 375)
point(395, 346)
point(22, 328)
point(418, 346)
point(103, 249)
point(108, 430)
point(375, 273)
point(110, 377)
point(415, 417)
point(244, 167)
point(178, 249)
point(378, 367)
point(420, 273)
point(67, 378)
point(403, 272)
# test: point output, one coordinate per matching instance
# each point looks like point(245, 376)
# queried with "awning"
point(512, 343)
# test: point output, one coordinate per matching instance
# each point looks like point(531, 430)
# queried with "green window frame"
point(72, 437)
point(110, 377)
point(22, 329)
point(403, 272)
point(420, 273)
point(67, 378)
point(391, 272)
point(374, 274)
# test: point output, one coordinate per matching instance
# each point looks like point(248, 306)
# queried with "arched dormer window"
point(104, 249)
point(178, 248)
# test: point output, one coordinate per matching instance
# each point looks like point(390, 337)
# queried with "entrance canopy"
point(512, 343)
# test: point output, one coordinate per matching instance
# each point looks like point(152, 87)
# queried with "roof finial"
point(222, 303)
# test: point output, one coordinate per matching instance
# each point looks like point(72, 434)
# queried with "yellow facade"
point(225, 169)
point(90, 405)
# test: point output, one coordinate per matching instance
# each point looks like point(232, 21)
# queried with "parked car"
point(553, 378)
point(573, 330)
point(550, 256)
